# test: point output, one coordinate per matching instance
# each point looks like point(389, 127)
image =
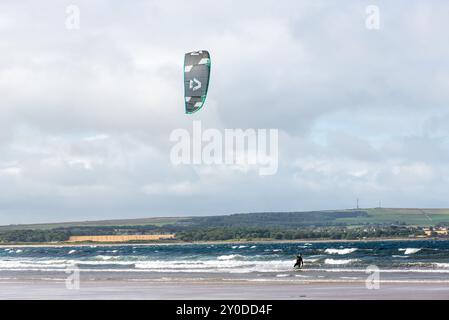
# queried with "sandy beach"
point(192, 290)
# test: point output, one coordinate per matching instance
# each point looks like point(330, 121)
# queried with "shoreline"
point(104, 244)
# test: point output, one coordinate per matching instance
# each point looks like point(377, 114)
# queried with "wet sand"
point(191, 290)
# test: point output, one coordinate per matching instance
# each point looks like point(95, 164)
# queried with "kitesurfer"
point(299, 262)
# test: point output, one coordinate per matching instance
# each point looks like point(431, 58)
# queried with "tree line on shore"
point(216, 233)
point(263, 225)
point(342, 233)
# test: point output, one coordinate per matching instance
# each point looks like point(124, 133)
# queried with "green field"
point(326, 224)
point(349, 217)
point(413, 217)
point(99, 223)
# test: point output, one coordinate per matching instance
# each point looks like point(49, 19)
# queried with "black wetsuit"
point(299, 263)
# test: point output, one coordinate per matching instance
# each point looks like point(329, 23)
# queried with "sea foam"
point(341, 251)
point(410, 250)
point(340, 261)
point(230, 257)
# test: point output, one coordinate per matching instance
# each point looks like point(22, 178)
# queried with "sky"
point(86, 112)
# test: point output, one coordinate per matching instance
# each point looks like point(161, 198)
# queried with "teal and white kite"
point(196, 79)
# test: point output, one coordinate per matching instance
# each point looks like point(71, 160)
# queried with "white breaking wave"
point(410, 250)
point(101, 257)
point(217, 266)
point(230, 257)
point(341, 251)
point(9, 250)
point(441, 265)
point(363, 270)
point(25, 264)
point(227, 264)
point(340, 261)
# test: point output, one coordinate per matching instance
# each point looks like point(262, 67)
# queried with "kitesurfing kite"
point(196, 79)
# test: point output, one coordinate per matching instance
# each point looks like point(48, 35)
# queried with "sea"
point(391, 261)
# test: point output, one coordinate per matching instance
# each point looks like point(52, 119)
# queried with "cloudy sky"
point(86, 114)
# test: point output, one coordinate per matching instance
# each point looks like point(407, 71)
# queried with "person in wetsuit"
point(299, 262)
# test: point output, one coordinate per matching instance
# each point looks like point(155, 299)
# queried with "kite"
point(196, 79)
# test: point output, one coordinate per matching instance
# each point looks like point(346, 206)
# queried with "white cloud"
point(85, 115)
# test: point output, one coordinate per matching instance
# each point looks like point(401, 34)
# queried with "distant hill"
point(99, 223)
point(349, 217)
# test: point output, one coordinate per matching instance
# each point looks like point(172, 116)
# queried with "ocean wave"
point(25, 264)
point(11, 250)
point(230, 257)
point(264, 260)
point(340, 261)
point(55, 264)
point(386, 270)
point(101, 257)
point(441, 265)
point(340, 251)
point(312, 260)
point(410, 250)
point(217, 266)
point(100, 263)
